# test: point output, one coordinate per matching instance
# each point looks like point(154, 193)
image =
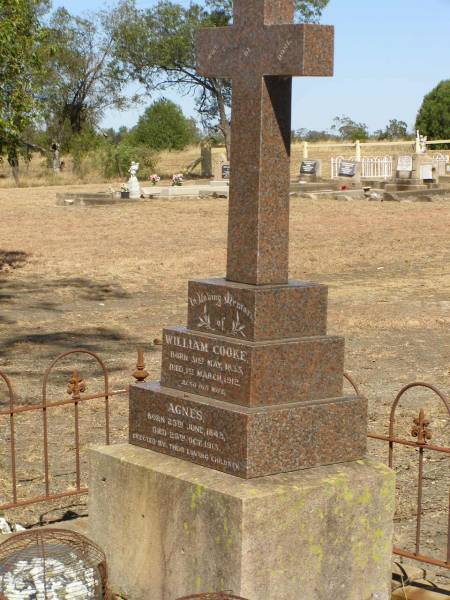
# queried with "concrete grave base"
point(170, 528)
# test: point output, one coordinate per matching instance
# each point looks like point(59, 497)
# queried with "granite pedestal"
point(253, 386)
point(173, 528)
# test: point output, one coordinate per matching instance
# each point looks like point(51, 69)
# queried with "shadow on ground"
point(93, 339)
point(12, 259)
point(86, 289)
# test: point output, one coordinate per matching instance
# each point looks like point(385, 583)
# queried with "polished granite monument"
point(216, 489)
point(253, 385)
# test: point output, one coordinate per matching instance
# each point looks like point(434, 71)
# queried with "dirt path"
point(110, 278)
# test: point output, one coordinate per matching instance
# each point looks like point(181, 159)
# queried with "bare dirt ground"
point(110, 278)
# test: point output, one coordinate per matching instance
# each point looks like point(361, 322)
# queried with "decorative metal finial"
point(420, 429)
point(76, 386)
point(140, 374)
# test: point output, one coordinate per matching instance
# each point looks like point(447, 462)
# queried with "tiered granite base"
point(247, 441)
point(254, 386)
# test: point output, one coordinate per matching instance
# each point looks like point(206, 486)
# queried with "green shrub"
point(116, 159)
point(163, 126)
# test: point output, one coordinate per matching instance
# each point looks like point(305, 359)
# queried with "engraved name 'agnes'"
point(185, 411)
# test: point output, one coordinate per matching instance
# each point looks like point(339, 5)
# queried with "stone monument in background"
point(133, 184)
point(251, 389)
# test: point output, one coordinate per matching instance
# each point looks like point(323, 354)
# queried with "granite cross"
point(260, 53)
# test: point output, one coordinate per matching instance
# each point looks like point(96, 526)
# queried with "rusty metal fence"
point(76, 388)
point(420, 432)
point(422, 435)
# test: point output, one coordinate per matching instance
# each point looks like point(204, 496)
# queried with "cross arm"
point(298, 50)
point(215, 52)
point(279, 50)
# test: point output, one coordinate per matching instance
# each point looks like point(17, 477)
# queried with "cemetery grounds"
point(110, 278)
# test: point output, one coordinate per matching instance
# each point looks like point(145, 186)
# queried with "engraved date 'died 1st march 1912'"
point(206, 366)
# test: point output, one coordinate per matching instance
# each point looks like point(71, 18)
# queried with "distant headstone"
point(405, 163)
point(309, 167)
point(347, 168)
point(133, 184)
point(226, 171)
point(426, 171)
point(219, 162)
point(412, 172)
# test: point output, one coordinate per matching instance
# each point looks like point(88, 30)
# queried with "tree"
point(395, 130)
point(157, 45)
point(20, 35)
point(350, 130)
point(433, 119)
point(164, 127)
point(81, 78)
point(311, 135)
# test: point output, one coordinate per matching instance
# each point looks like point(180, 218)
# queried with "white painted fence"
point(439, 162)
point(376, 167)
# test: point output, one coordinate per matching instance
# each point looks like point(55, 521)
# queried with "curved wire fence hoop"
point(58, 359)
point(421, 444)
point(12, 442)
point(9, 387)
point(352, 382)
point(76, 390)
point(402, 392)
point(47, 374)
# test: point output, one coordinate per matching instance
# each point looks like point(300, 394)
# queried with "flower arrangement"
point(155, 178)
point(177, 179)
point(124, 189)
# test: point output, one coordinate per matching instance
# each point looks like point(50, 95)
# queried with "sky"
point(388, 55)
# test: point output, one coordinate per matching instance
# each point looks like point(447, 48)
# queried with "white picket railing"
point(440, 161)
point(376, 167)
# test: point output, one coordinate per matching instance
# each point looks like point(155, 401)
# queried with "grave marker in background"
point(310, 170)
point(349, 172)
point(405, 163)
point(221, 167)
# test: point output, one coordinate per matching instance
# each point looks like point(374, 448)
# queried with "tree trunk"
point(13, 160)
point(15, 172)
point(224, 124)
point(56, 159)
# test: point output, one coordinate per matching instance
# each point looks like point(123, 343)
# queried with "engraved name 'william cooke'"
point(216, 348)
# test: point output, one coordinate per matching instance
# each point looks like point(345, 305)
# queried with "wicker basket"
point(52, 563)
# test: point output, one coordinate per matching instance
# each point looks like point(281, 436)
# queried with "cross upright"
point(260, 53)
